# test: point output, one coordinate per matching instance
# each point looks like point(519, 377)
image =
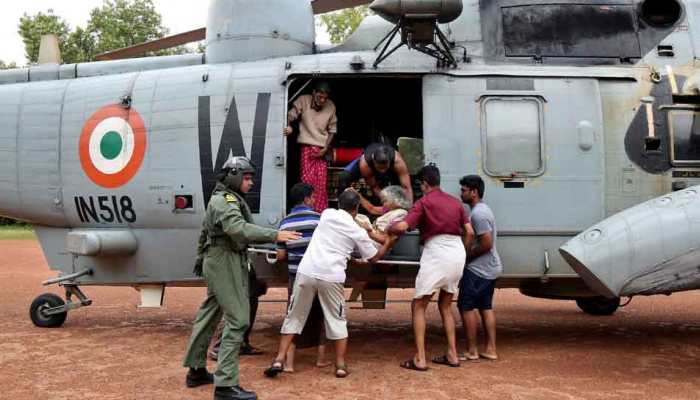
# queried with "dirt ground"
point(548, 349)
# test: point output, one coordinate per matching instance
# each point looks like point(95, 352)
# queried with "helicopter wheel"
point(598, 305)
point(47, 301)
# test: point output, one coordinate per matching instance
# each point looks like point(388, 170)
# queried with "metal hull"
point(652, 248)
point(589, 162)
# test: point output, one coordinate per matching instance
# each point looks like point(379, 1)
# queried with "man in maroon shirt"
point(445, 232)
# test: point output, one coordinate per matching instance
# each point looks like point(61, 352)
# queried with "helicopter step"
point(50, 310)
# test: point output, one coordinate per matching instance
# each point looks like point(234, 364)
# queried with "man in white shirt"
point(322, 272)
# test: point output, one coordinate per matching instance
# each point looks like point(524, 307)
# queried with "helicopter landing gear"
point(45, 311)
point(50, 310)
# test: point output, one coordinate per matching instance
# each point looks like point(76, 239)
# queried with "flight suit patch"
point(231, 198)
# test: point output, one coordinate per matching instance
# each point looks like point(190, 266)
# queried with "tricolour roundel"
point(112, 146)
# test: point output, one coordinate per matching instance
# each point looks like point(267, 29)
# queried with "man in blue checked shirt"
point(304, 220)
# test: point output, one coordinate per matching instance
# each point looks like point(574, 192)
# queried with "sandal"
point(411, 364)
point(341, 371)
point(443, 360)
point(275, 368)
point(488, 357)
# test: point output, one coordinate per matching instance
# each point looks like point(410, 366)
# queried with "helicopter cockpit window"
point(685, 137)
point(512, 135)
point(571, 30)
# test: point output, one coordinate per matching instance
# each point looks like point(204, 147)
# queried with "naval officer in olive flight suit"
point(227, 231)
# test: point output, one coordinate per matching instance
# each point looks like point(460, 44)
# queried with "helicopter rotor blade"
point(319, 7)
point(324, 6)
point(154, 45)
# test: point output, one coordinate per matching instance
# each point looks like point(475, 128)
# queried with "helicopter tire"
point(43, 302)
point(598, 305)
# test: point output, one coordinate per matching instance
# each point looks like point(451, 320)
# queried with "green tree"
point(341, 24)
point(124, 23)
point(79, 47)
point(4, 65)
point(115, 24)
point(31, 28)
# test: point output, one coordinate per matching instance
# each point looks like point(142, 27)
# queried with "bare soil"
point(549, 349)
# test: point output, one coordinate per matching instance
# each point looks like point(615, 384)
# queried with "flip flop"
point(411, 364)
point(488, 357)
point(275, 368)
point(443, 360)
point(341, 371)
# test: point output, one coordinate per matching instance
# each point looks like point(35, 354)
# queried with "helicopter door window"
point(685, 137)
point(512, 136)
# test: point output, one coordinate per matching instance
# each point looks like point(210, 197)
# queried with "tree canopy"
point(116, 24)
point(4, 65)
point(31, 28)
point(341, 24)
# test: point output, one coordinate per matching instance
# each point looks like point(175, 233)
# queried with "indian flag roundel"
point(112, 146)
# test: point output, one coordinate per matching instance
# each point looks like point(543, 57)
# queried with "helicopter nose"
point(650, 248)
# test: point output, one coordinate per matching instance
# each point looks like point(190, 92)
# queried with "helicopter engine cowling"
point(443, 11)
point(651, 248)
point(249, 30)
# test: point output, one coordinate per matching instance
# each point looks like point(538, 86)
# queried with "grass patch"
point(17, 233)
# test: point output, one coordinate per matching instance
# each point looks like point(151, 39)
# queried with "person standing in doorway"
point(317, 128)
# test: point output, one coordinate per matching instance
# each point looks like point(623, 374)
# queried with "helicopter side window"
point(685, 137)
point(512, 136)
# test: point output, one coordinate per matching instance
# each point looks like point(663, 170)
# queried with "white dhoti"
point(441, 265)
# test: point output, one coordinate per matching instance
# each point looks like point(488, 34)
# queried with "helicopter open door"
point(369, 109)
point(538, 144)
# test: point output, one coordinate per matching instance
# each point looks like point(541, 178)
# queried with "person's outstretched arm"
point(386, 247)
point(235, 226)
point(401, 170)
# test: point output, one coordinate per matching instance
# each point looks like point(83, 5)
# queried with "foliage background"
point(343, 23)
point(116, 24)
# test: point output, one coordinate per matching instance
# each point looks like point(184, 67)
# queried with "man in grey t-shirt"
point(483, 267)
point(487, 265)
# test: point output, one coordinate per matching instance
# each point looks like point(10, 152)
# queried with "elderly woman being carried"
point(394, 208)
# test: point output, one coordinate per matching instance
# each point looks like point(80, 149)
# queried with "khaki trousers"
point(332, 299)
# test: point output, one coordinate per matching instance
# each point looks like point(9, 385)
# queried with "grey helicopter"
point(580, 115)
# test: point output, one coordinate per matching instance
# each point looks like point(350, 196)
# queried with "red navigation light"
point(183, 202)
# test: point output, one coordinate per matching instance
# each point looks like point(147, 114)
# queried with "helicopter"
point(580, 115)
